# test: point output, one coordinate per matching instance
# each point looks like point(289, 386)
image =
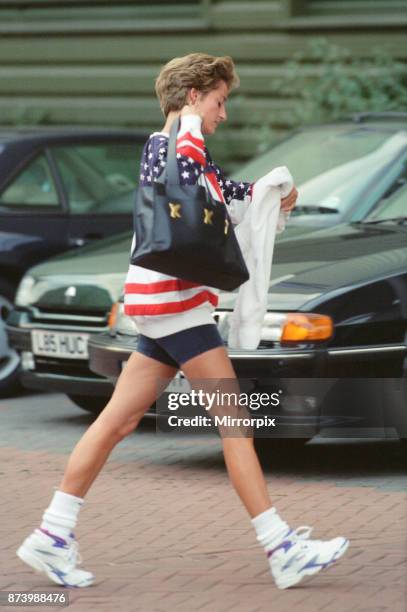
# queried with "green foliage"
point(25, 115)
point(344, 84)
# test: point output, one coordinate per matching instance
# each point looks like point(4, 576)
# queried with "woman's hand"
point(288, 203)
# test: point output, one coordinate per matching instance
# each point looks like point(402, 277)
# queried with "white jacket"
point(256, 235)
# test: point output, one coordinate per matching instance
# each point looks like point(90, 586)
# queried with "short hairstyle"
point(198, 70)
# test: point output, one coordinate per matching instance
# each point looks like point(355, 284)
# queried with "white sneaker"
point(298, 556)
point(55, 557)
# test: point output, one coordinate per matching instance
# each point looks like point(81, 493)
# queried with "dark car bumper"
point(108, 354)
point(70, 376)
point(349, 406)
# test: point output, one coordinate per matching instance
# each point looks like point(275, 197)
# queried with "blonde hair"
point(198, 70)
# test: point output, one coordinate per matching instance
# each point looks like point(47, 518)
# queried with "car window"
point(34, 185)
point(96, 177)
point(330, 164)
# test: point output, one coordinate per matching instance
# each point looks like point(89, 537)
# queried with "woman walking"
point(177, 330)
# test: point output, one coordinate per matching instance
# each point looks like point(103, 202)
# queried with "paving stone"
point(163, 530)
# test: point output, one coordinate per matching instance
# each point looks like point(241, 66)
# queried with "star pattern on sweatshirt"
point(232, 190)
point(154, 160)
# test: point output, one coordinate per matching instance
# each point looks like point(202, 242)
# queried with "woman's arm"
point(232, 190)
point(237, 195)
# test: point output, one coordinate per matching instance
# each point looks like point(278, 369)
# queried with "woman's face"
point(211, 106)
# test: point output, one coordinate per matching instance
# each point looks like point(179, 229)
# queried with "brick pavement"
point(163, 531)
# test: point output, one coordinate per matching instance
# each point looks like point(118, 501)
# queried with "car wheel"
point(90, 403)
point(9, 358)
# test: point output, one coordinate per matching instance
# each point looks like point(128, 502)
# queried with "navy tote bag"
point(181, 230)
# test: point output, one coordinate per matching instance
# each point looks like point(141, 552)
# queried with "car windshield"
point(392, 208)
point(331, 165)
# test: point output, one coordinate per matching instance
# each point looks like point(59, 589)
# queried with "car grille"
point(52, 319)
point(93, 321)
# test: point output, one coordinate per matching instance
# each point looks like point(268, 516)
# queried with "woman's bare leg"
point(241, 459)
point(135, 392)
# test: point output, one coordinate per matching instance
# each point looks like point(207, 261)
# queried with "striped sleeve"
point(190, 142)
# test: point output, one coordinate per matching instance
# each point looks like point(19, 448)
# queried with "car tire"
point(90, 403)
point(270, 447)
point(9, 358)
point(403, 446)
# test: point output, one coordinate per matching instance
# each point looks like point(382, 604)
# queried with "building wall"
point(93, 62)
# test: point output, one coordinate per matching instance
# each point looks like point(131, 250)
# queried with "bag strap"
point(170, 174)
point(172, 164)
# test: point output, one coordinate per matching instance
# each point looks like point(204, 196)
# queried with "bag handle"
point(171, 167)
point(171, 172)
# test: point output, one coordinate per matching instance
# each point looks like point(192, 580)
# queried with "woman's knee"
point(116, 426)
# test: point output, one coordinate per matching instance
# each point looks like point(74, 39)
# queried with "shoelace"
point(303, 535)
point(73, 556)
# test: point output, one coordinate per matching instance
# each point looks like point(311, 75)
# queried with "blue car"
point(60, 188)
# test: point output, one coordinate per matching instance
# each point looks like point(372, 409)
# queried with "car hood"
point(306, 270)
point(310, 269)
point(98, 270)
point(110, 255)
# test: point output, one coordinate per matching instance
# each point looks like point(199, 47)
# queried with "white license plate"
point(179, 384)
point(67, 345)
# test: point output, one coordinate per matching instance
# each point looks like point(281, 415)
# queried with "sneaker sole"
point(307, 574)
point(27, 557)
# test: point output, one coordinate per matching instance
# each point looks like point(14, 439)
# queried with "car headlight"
point(25, 295)
point(121, 323)
point(288, 327)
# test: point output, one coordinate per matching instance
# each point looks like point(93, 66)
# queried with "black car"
point(59, 189)
point(341, 169)
point(62, 304)
point(336, 327)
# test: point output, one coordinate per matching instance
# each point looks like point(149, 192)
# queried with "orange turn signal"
point(300, 327)
point(113, 315)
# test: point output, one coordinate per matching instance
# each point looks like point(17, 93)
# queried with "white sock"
point(61, 516)
point(270, 529)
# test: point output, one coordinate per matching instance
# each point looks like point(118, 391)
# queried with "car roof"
point(392, 120)
point(49, 133)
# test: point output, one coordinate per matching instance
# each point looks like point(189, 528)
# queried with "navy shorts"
point(176, 349)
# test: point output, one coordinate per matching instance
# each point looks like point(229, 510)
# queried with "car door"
point(99, 180)
point(33, 220)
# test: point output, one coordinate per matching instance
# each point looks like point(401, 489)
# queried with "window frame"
point(58, 174)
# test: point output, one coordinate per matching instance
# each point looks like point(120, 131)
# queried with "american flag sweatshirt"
point(158, 303)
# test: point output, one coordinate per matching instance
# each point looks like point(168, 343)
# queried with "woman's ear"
point(193, 95)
